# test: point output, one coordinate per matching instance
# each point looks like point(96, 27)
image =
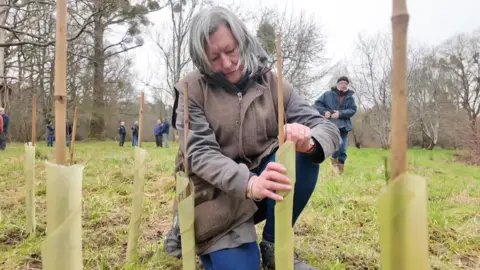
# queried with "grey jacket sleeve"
point(204, 155)
point(324, 132)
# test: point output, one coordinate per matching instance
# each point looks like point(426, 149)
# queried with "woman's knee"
point(244, 257)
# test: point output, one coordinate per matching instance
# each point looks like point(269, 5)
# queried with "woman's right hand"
point(272, 179)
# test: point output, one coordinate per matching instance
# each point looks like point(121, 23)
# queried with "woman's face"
point(223, 54)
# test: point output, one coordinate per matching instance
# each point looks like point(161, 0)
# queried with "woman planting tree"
point(233, 139)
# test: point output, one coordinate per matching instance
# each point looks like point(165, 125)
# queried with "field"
point(338, 230)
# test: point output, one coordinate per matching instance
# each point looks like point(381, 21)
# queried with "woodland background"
point(443, 80)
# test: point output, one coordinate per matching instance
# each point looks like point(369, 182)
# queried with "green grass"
point(338, 229)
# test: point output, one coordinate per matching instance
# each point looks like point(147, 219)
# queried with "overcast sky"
point(431, 22)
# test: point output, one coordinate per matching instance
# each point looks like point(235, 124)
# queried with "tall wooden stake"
point(281, 112)
point(60, 81)
point(400, 20)
point(34, 120)
point(72, 139)
point(140, 121)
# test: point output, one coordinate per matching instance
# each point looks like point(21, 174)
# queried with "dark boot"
point(340, 167)
point(268, 258)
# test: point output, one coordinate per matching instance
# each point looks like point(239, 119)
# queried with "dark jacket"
point(158, 129)
point(51, 130)
point(122, 130)
point(69, 129)
point(135, 130)
point(166, 127)
point(329, 101)
point(6, 122)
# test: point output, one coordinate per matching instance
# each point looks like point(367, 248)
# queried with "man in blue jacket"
point(6, 122)
point(339, 106)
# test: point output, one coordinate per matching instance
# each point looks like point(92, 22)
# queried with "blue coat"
point(157, 130)
point(328, 101)
point(135, 130)
point(166, 127)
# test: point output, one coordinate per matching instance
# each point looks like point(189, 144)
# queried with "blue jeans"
point(135, 141)
point(3, 141)
point(165, 139)
point(244, 257)
point(68, 140)
point(50, 140)
point(341, 153)
point(247, 256)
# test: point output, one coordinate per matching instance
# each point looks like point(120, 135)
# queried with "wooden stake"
point(60, 81)
point(399, 132)
point(140, 120)
point(34, 120)
point(186, 127)
point(400, 20)
point(74, 131)
point(281, 113)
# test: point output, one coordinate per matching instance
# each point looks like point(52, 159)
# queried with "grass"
point(338, 229)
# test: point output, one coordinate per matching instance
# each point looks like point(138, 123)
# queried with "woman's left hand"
point(300, 135)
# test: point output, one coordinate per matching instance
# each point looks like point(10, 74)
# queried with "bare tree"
point(172, 45)
point(303, 47)
point(460, 59)
point(429, 99)
point(372, 79)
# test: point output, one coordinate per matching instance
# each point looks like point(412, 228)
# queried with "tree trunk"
point(97, 122)
point(358, 144)
point(4, 88)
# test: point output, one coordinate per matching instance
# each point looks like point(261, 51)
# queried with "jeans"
point(247, 256)
point(158, 140)
point(244, 257)
point(165, 139)
point(3, 141)
point(135, 140)
point(68, 140)
point(341, 153)
point(50, 140)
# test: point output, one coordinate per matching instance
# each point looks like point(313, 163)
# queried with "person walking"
point(338, 105)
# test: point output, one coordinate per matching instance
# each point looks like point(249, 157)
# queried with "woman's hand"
point(271, 180)
point(300, 135)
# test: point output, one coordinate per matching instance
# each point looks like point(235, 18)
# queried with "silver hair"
point(2, 109)
point(206, 22)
